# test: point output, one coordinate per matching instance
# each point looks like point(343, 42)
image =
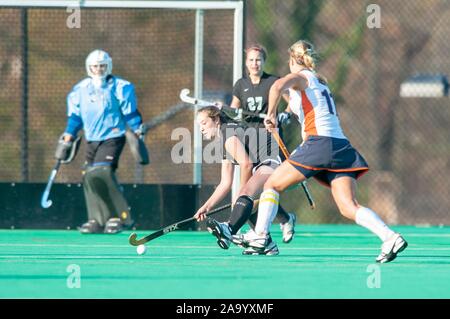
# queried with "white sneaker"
point(271, 249)
point(391, 247)
point(252, 239)
point(288, 228)
point(240, 239)
point(222, 232)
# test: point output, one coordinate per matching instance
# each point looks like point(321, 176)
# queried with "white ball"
point(141, 249)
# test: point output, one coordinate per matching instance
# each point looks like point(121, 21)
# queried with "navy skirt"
point(326, 158)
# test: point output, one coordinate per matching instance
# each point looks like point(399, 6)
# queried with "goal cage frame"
point(199, 6)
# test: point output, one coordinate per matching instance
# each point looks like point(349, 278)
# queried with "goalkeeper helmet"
point(98, 57)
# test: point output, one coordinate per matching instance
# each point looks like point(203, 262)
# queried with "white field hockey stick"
point(184, 96)
point(45, 202)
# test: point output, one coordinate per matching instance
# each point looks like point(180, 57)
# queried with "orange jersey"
point(315, 108)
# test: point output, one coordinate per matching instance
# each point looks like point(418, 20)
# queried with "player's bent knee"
point(98, 177)
point(272, 183)
point(269, 182)
point(348, 211)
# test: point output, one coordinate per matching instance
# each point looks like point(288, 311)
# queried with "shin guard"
point(241, 212)
point(267, 210)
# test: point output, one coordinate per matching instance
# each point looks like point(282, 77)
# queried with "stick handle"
point(280, 143)
point(285, 151)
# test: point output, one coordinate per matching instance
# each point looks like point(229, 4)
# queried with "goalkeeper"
point(102, 105)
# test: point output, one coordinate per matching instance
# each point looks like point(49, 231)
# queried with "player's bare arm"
point(292, 80)
point(235, 148)
point(235, 103)
point(224, 187)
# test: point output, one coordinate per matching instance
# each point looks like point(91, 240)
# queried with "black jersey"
point(254, 97)
point(259, 146)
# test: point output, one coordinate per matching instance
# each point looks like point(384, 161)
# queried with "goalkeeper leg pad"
point(104, 199)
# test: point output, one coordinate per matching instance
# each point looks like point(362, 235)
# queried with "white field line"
point(368, 235)
point(305, 259)
point(325, 234)
point(214, 247)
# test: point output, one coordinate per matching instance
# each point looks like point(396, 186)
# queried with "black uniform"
point(254, 97)
point(261, 149)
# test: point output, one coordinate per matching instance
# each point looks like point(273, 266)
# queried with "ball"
point(141, 249)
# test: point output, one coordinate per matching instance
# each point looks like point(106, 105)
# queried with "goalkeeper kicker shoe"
point(391, 247)
point(222, 232)
point(288, 228)
point(113, 226)
point(91, 227)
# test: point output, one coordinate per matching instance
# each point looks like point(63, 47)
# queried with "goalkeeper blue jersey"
point(102, 112)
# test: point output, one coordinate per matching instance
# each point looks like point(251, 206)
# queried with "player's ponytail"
point(304, 54)
point(215, 114)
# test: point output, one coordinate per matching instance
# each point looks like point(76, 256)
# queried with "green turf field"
point(326, 261)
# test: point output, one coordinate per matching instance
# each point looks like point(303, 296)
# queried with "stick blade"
point(46, 203)
point(184, 93)
point(132, 240)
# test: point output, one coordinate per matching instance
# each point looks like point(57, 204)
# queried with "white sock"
point(267, 210)
point(369, 219)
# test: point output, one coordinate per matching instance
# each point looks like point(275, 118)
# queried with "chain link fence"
point(366, 51)
point(152, 48)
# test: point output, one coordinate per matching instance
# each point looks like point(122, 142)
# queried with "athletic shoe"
point(288, 228)
point(271, 249)
point(240, 239)
point(252, 239)
point(391, 247)
point(222, 232)
point(91, 227)
point(113, 226)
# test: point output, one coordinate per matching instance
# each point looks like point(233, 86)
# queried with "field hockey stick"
point(184, 96)
point(136, 242)
point(45, 202)
point(286, 155)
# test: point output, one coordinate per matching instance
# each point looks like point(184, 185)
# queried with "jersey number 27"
point(255, 103)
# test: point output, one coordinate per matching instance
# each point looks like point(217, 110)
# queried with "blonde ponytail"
point(308, 61)
point(303, 54)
